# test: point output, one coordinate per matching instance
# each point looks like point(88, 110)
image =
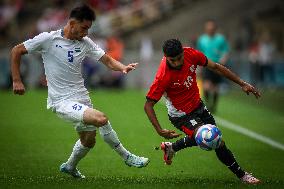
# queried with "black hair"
point(83, 13)
point(172, 47)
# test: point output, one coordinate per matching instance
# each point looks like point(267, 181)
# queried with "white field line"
point(244, 131)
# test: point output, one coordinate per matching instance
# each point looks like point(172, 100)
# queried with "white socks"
point(110, 137)
point(79, 151)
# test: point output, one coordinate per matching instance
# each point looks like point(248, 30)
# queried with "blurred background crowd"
point(134, 30)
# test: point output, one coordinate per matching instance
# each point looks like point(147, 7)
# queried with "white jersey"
point(62, 60)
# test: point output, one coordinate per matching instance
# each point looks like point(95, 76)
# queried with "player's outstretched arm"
point(16, 54)
point(149, 110)
point(116, 65)
point(222, 70)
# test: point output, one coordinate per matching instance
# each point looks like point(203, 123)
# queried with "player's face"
point(175, 62)
point(80, 29)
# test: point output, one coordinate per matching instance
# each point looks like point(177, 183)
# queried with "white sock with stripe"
point(110, 137)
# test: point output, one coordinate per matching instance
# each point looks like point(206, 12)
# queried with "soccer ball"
point(208, 137)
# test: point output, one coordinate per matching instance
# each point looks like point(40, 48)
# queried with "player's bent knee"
point(95, 117)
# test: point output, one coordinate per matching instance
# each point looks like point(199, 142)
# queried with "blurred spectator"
point(114, 48)
point(5, 81)
point(8, 13)
point(102, 5)
point(34, 71)
point(52, 19)
point(103, 25)
point(266, 52)
point(215, 46)
point(254, 63)
point(146, 55)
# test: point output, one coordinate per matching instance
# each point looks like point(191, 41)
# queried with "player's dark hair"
point(83, 13)
point(172, 47)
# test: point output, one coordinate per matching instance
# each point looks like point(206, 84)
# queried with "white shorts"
point(73, 111)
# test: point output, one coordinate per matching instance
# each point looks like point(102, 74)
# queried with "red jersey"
point(178, 86)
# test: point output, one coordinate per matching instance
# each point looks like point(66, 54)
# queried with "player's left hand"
point(248, 88)
point(129, 68)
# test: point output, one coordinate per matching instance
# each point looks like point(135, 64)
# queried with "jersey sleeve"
point(94, 50)
point(199, 58)
point(38, 43)
point(158, 86)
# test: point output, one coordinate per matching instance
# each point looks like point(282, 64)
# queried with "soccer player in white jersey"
point(63, 52)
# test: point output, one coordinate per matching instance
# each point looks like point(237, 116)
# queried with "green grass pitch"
point(34, 142)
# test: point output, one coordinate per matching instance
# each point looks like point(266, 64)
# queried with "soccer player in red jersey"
point(176, 80)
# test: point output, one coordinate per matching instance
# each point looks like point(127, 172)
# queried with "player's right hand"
point(168, 134)
point(18, 88)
